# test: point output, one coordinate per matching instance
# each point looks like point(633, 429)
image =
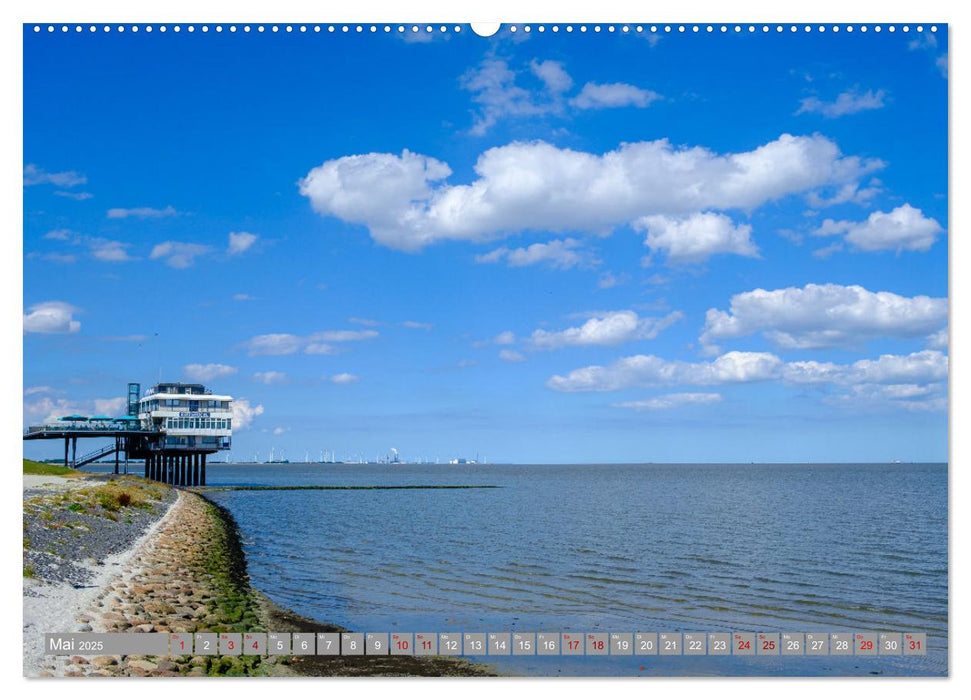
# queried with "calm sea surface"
point(790, 548)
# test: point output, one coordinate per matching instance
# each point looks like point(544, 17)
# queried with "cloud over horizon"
point(824, 315)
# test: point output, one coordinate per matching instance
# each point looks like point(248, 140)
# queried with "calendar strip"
point(491, 644)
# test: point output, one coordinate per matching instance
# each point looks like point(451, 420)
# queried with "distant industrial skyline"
point(542, 248)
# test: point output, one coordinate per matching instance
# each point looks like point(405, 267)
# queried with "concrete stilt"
point(202, 480)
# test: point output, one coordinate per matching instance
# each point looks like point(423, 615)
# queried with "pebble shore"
point(190, 575)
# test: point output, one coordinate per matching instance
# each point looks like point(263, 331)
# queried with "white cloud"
point(242, 297)
point(650, 370)
point(270, 377)
point(51, 317)
point(916, 368)
point(110, 407)
point(344, 378)
point(696, 237)
point(666, 401)
point(923, 366)
point(553, 75)
point(923, 40)
point(850, 192)
point(280, 431)
point(241, 242)
point(511, 356)
point(206, 373)
point(827, 251)
point(561, 255)
point(177, 254)
point(109, 251)
point(76, 196)
point(364, 321)
point(494, 90)
point(141, 212)
point(38, 176)
point(417, 325)
point(313, 344)
point(608, 328)
point(405, 204)
point(320, 349)
point(609, 95)
point(342, 336)
point(609, 280)
point(45, 409)
point(911, 397)
point(915, 382)
point(904, 228)
point(928, 42)
point(939, 340)
point(824, 315)
point(56, 257)
point(101, 249)
point(273, 344)
point(244, 413)
point(849, 102)
point(33, 390)
point(505, 338)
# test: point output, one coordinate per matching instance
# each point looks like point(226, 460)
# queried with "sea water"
point(624, 548)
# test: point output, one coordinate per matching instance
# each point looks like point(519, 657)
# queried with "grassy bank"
point(42, 469)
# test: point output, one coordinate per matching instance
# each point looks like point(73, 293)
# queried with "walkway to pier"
point(178, 467)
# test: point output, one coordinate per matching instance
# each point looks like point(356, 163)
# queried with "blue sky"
point(546, 247)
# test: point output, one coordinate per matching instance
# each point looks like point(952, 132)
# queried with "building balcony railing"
point(90, 427)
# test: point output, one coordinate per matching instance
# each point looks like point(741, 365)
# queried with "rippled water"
point(615, 547)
